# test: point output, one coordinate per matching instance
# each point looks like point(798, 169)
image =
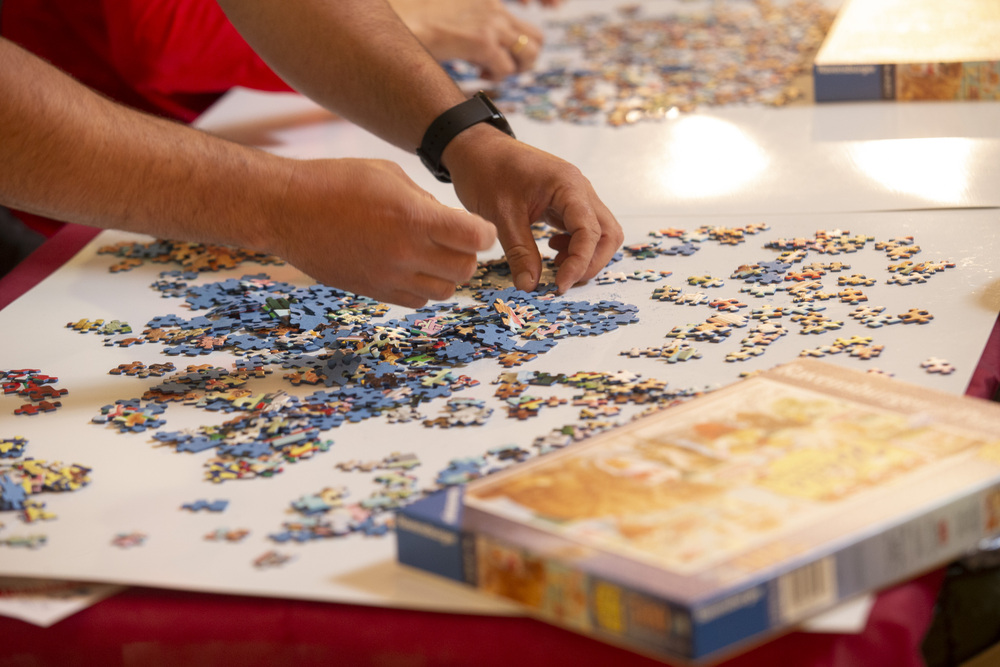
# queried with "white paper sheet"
point(45, 602)
point(140, 487)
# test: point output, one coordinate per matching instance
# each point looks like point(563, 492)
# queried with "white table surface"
point(831, 158)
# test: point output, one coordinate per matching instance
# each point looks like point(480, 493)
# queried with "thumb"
point(462, 231)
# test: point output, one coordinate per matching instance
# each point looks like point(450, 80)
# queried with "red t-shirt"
point(172, 58)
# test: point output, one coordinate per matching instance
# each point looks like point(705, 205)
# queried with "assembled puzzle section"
point(741, 512)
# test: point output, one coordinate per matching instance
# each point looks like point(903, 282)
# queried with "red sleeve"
point(168, 47)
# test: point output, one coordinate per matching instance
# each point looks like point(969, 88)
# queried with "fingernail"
point(524, 281)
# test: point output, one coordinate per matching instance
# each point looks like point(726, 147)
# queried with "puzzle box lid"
point(742, 485)
point(884, 32)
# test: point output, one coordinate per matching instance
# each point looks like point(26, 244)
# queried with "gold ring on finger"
point(519, 44)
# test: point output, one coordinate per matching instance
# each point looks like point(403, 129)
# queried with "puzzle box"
point(712, 525)
point(907, 50)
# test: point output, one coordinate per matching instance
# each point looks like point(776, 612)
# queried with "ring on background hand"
point(519, 44)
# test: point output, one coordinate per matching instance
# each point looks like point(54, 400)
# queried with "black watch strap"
point(477, 109)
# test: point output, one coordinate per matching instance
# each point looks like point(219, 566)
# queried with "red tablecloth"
point(151, 627)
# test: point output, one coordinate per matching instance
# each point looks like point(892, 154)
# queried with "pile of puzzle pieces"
point(367, 365)
point(38, 388)
point(21, 481)
point(634, 67)
point(193, 257)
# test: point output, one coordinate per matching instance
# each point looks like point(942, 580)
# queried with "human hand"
point(513, 185)
point(364, 226)
point(481, 32)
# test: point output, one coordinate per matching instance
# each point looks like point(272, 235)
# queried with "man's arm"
point(354, 57)
point(362, 225)
point(358, 59)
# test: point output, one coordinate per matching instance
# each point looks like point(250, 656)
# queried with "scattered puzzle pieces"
point(670, 353)
point(141, 370)
point(129, 540)
point(11, 448)
point(227, 535)
point(214, 506)
point(191, 256)
point(271, 559)
point(915, 316)
point(462, 412)
point(30, 383)
point(42, 406)
point(937, 365)
point(365, 364)
point(131, 415)
point(24, 541)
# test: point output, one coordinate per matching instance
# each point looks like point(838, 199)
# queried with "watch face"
point(489, 103)
point(452, 122)
point(498, 121)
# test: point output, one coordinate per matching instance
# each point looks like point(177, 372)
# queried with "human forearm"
point(353, 56)
point(358, 59)
point(72, 155)
point(360, 225)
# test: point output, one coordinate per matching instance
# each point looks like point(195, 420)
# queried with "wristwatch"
point(477, 109)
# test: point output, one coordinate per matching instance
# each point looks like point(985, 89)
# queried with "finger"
point(611, 239)
point(405, 299)
point(533, 32)
point(521, 252)
point(449, 265)
point(559, 243)
point(587, 249)
point(526, 45)
point(464, 232)
point(431, 287)
point(415, 291)
point(496, 62)
point(580, 222)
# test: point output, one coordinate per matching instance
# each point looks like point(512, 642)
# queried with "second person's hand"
point(481, 32)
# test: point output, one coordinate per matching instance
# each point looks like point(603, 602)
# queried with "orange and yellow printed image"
point(948, 81)
point(722, 479)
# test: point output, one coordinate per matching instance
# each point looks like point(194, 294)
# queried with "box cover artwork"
point(743, 511)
